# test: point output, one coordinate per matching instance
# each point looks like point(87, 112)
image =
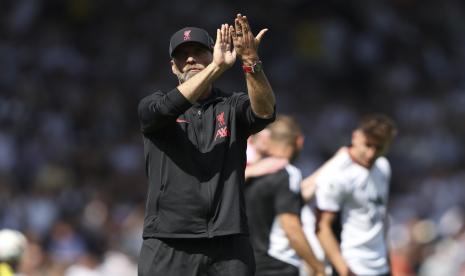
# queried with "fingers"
point(232, 31)
point(238, 25)
point(243, 28)
point(242, 24)
point(225, 36)
point(218, 37)
point(245, 25)
point(244, 41)
point(236, 40)
point(260, 35)
point(248, 36)
point(222, 34)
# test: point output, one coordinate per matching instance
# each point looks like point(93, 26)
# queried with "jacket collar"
point(215, 96)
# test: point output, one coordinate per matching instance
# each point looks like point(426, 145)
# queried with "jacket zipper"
point(201, 143)
point(161, 190)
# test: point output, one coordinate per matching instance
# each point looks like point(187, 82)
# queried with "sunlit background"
point(72, 72)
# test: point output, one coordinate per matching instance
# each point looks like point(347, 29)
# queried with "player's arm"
point(328, 241)
point(293, 228)
point(261, 94)
point(308, 186)
point(158, 110)
point(224, 57)
point(265, 166)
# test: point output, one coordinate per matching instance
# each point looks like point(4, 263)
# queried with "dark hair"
point(378, 126)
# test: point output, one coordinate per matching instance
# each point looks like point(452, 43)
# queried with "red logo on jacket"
point(223, 130)
point(220, 119)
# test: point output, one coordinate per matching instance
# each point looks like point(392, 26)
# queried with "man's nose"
point(190, 59)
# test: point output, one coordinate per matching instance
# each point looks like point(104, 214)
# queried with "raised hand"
point(245, 43)
point(224, 54)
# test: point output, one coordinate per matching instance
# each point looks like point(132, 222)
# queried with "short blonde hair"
point(284, 130)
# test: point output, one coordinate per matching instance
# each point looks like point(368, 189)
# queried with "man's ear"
point(355, 135)
point(174, 68)
point(300, 142)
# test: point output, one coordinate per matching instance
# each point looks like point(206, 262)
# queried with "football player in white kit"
point(355, 184)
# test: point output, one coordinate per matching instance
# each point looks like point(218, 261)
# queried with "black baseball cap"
point(191, 34)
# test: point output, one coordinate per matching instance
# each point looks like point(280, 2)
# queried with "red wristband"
point(254, 68)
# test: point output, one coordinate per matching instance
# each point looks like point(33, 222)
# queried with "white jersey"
point(308, 224)
point(360, 195)
point(308, 218)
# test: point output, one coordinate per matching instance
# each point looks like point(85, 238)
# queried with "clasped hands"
point(237, 40)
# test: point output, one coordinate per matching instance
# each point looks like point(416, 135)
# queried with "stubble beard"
point(183, 77)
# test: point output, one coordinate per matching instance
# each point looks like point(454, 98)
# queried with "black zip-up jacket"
point(195, 161)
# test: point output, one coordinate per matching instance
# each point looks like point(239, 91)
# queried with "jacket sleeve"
point(247, 117)
point(159, 109)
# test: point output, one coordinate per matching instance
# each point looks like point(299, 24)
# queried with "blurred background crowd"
point(72, 72)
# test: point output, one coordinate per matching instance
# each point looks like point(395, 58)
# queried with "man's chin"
point(190, 74)
point(369, 163)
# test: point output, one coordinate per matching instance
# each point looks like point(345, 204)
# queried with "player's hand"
point(319, 271)
point(348, 273)
point(224, 54)
point(245, 43)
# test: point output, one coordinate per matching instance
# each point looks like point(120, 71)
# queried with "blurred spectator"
point(12, 246)
point(72, 72)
